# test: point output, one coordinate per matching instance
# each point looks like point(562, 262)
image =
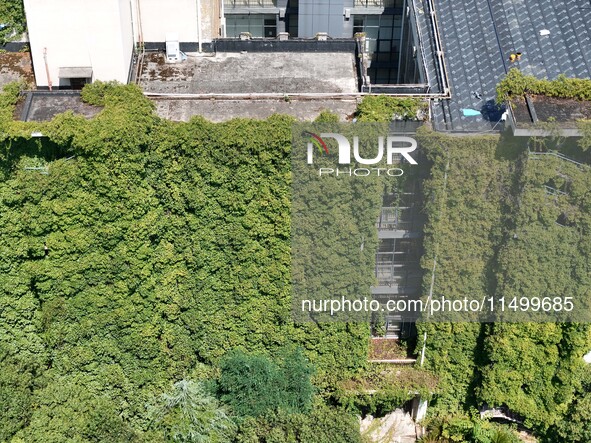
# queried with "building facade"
point(74, 42)
point(385, 23)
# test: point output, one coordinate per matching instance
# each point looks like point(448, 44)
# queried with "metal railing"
point(438, 47)
point(409, 280)
point(396, 218)
point(558, 155)
point(398, 258)
point(250, 3)
point(376, 3)
point(553, 191)
point(420, 42)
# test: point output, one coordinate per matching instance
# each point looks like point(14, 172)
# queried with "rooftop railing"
point(250, 3)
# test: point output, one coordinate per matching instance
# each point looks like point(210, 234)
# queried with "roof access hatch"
point(75, 72)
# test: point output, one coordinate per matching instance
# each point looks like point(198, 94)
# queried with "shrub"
point(254, 385)
point(95, 93)
point(12, 17)
point(384, 108)
point(466, 429)
point(190, 414)
point(516, 84)
point(323, 425)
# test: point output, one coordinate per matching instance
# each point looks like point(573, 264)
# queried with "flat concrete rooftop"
point(43, 106)
point(238, 73)
point(222, 110)
point(531, 113)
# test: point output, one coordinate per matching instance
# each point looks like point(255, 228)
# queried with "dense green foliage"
point(536, 367)
point(516, 84)
point(383, 388)
point(585, 129)
point(12, 20)
point(8, 99)
point(577, 428)
point(139, 254)
point(384, 108)
point(328, 263)
point(463, 428)
point(136, 250)
point(101, 93)
point(253, 385)
point(322, 425)
point(493, 228)
point(463, 201)
point(191, 414)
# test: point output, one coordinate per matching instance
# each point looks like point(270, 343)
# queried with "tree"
point(576, 425)
point(585, 129)
point(296, 376)
point(12, 20)
point(322, 425)
point(467, 429)
point(190, 414)
point(254, 385)
point(68, 411)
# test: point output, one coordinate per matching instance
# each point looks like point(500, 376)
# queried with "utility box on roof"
point(173, 49)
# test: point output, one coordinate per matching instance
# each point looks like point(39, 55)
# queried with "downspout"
point(140, 31)
point(132, 23)
point(199, 25)
point(134, 49)
point(424, 347)
point(223, 18)
point(47, 69)
point(404, 18)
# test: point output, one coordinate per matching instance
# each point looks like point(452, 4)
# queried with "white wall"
point(80, 33)
point(101, 33)
point(160, 17)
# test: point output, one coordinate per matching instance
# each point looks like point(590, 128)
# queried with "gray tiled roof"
point(479, 35)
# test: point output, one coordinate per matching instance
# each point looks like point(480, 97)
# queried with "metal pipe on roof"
point(139, 21)
point(222, 19)
point(47, 69)
point(199, 25)
point(438, 47)
point(281, 95)
point(132, 22)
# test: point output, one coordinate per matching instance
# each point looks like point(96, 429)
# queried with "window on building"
point(379, 3)
point(383, 35)
point(271, 27)
point(259, 25)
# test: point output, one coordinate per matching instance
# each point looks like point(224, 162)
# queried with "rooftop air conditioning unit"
point(173, 49)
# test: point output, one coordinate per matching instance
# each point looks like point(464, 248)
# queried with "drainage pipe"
point(199, 25)
point(47, 69)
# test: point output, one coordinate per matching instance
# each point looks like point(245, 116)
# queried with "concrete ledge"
point(259, 96)
point(292, 45)
point(262, 45)
point(533, 132)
